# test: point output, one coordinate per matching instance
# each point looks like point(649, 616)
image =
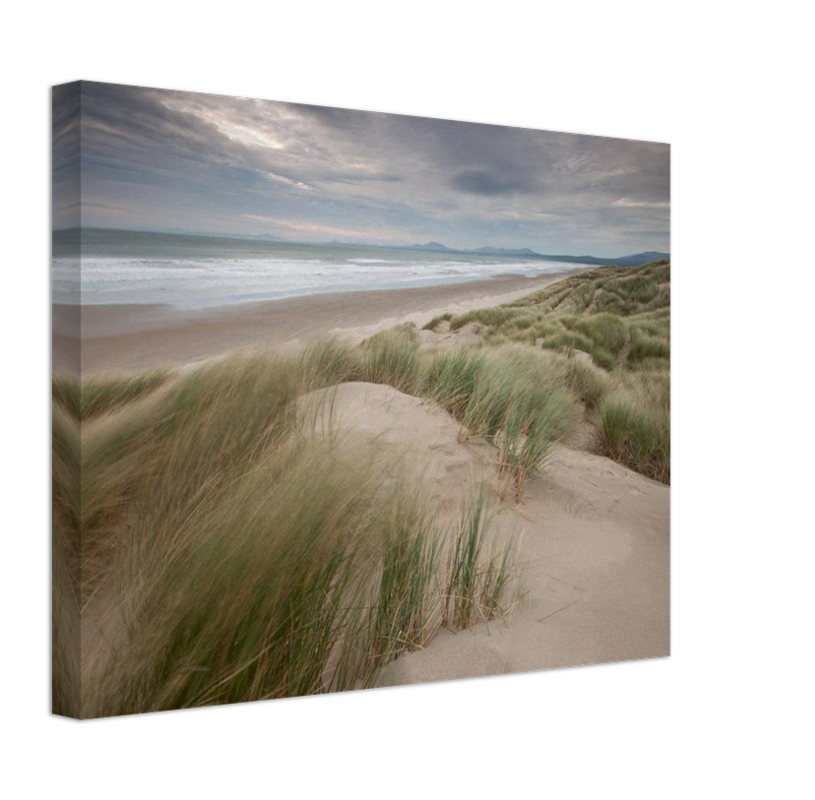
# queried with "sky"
point(160, 160)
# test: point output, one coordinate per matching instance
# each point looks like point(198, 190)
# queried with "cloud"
point(316, 229)
point(217, 164)
point(65, 156)
point(272, 176)
point(489, 185)
point(626, 203)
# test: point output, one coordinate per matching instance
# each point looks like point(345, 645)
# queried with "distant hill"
point(435, 247)
point(636, 260)
point(503, 251)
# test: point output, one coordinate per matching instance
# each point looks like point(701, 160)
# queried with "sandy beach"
point(65, 339)
point(132, 337)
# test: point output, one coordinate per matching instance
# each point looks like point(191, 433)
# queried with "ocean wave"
point(208, 281)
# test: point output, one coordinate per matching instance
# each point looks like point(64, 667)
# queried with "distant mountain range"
point(635, 260)
point(503, 251)
point(436, 247)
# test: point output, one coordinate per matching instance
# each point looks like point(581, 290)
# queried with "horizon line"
point(270, 238)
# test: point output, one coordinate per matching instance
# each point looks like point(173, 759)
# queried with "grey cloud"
point(487, 184)
point(219, 160)
point(333, 117)
point(65, 124)
point(177, 135)
point(65, 155)
point(352, 177)
point(385, 178)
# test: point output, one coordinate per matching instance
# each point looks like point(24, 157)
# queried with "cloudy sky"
point(177, 161)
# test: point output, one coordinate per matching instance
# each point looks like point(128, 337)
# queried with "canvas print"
point(346, 400)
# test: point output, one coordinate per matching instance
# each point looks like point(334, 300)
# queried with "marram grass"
point(607, 334)
point(226, 557)
point(65, 588)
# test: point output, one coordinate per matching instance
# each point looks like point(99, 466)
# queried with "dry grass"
point(65, 591)
point(225, 556)
point(613, 326)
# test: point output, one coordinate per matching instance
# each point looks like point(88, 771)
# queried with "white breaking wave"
point(195, 283)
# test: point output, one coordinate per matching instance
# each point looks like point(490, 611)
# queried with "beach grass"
point(245, 600)
point(106, 392)
point(403, 601)
point(437, 320)
point(513, 396)
point(477, 578)
point(392, 358)
point(65, 541)
point(228, 557)
point(607, 332)
point(634, 423)
point(66, 393)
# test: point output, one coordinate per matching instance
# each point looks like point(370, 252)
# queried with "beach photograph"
point(349, 400)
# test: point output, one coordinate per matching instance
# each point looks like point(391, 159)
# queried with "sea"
point(190, 272)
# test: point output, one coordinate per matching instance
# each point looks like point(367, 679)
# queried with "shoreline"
point(122, 338)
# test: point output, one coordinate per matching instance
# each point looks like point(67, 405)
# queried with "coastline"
point(123, 338)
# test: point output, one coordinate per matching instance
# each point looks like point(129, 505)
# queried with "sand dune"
point(594, 542)
point(401, 433)
point(596, 546)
